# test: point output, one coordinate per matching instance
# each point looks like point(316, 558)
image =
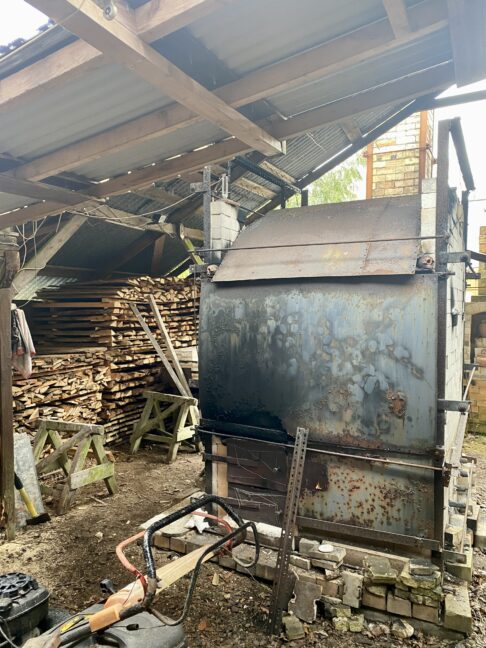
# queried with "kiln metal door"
point(355, 363)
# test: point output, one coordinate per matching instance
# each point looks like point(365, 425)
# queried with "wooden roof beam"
point(433, 79)
point(42, 257)
point(158, 19)
point(39, 190)
point(328, 58)
point(117, 39)
point(153, 20)
point(398, 17)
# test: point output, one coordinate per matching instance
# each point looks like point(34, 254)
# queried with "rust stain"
point(397, 403)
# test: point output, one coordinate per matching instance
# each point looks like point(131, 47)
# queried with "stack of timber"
point(98, 314)
point(188, 359)
point(68, 389)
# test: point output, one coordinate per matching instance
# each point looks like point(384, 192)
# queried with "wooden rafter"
point(433, 79)
point(38, 190)
point(153, 20)
point(117, 38)
point(363, 44)
point(42, 257)
point(158, 19)
point(398, 17)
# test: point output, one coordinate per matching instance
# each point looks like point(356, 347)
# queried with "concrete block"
point(416, 581)
point(429, 185)
point(480, 535)
point(334, 607)
point(161, 541)
point(425, 613)
point(334, 557)
point(422, 567)
point(303, 603)
point(225, 560)
point(178, 544)
point(378, 570)
point(377, 590)
point(462, 570)
point(373, 601)
point(307, 546)
point(428, 200)
point(299, 561)
point(266, 565)
point(304, 574)
point(457, 611)
point(332, 588)
point(324, 564)
point(402, 630)
point(353, 588)
point(293, 627)
point(399, 606)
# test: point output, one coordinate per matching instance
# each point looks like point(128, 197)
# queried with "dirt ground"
point(72, 553)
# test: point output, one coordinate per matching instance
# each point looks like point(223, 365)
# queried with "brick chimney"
point(399, 161)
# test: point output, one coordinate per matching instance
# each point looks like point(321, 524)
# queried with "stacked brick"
point(475, 347)
point(400, 159)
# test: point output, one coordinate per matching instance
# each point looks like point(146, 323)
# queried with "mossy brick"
point(457, 611)
point(402, 593)
point(332, 588)
point(377, 590)
point(422, 567)
point(378, 570)
point(416, 581)
point(356, 623)
point(300, 561)
point(341, 624)
point(416, 598)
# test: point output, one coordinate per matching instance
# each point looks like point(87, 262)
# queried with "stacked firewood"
point(97, 316)
point(69, 388)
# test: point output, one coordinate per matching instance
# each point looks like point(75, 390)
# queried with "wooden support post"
point(9, 265)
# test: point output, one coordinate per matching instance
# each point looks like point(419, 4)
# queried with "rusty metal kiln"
point(331, 318)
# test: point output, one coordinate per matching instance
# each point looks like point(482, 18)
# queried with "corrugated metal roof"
point(244, 36)
point(294, 26)
point(39, 282)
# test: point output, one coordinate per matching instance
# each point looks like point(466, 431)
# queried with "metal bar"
point(464, 97)
point(441, 228)
point(333, 453)
point(369, 534)
point(264, 174)
point(280, 592)
point(292, 245)
point(206, 182)
point(460, 146)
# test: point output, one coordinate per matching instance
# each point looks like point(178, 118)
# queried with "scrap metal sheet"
point(328, 241)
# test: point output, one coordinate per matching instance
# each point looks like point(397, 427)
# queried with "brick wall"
point(398, 161)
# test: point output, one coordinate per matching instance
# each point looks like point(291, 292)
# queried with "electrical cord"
point(6, 635)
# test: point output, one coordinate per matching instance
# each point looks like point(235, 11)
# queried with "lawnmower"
point(124, 618)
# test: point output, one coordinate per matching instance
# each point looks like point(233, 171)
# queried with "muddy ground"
point(72, 553)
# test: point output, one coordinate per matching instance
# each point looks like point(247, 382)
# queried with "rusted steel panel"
point(385, 498)
point(320, 242)
point(353, 361)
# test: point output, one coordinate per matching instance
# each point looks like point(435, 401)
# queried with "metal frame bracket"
point(461, 406)
point(455, 257)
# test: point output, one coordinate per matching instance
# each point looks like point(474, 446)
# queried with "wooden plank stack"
point(97, 316)
point(68, 388)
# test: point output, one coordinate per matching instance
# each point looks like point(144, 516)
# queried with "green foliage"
point(338, 185)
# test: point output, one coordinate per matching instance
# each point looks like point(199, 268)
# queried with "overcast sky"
point(19, 20)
